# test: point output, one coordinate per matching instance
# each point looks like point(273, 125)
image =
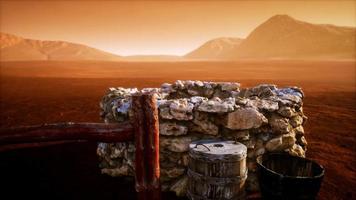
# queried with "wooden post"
point(152, 145)
point(138, 122)
point(146, 128)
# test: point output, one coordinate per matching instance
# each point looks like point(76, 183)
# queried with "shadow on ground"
point(67, 171)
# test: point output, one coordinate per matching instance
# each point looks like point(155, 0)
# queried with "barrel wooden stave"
point(218, 169)
point(214, 187)
point(217, 176)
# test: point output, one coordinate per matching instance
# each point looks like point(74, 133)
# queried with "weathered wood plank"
point(152, 145)
point(115, 132)
point(138, 122)
point(146, 127)
point(10, 147)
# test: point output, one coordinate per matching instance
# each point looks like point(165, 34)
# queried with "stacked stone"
point(264, 118)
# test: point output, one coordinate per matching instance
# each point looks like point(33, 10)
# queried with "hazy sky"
point(157, 27)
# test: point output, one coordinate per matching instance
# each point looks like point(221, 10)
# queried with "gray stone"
point(241, 100)
point(101, 149)
point(262, 104)
point(287, 111)
point(263, 91)
point(196, 100)
point(259, 151)
point(180, 186)
point(112, 150)
point(250, 153)
point(193, 92)
point(173, 172)
point(296, 150)
point(119, 171)
point(245, 118)
point(279, 124)
point(302, 141)
point(204, 125)
point(259, 144)
point(172, 128)
point(229, 86)
point(184, 160)
point(156, 91)
point(264, 136)
point(167, 88)
point(181, 109)
point(218, 93)
point(176, 144)
point(169, 159)
point(164, 110)
point(290, 94)
point(237, 135)
point(296, 121)
point(252, 166)
point(179, 85)
point(280, 143)
point(216, 105)
point(252, 182)
point(299, 130)
point(250, 144)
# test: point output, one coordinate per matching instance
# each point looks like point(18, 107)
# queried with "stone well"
point(264, 118)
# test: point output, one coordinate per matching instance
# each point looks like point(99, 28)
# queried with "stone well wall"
point(264, 118)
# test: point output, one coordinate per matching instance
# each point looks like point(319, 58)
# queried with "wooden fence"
point(143, 129)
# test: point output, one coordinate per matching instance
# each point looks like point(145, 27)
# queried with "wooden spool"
point(217, 170)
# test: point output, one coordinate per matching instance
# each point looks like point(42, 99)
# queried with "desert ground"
point(49, 91)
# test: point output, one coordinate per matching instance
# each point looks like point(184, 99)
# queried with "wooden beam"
point(138, 123)
point(101, 132)
point(152, 145)
point(146, 128)
point(10, 147)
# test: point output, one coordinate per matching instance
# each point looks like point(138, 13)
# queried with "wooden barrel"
point(217, 170)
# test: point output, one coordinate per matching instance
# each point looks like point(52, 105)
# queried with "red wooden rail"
point(143, 128)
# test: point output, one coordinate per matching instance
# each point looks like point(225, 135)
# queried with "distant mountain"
point(215, 49)
point(14, 48)
point(280, 37)
point(283, 37)
point(152, 58)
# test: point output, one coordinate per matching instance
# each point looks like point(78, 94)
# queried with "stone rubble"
point(264, 118)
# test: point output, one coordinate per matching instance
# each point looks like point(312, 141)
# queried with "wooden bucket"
point(217, 170)
point(282, 176)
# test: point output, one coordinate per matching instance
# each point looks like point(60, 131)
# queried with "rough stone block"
point(172, 128)
point(245, 118)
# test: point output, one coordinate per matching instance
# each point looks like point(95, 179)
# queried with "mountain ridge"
point(215, 48)
point(15, 48)
point(279, 37)
point(283, 37)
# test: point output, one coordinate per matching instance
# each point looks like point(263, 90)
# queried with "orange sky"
point(157, 27)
